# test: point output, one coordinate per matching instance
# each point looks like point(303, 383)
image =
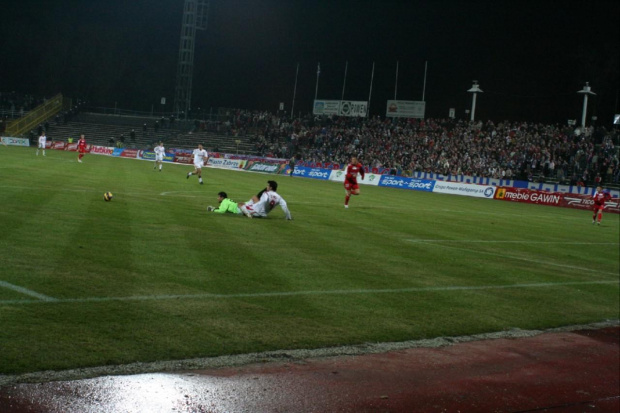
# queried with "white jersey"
point(42, 140)
point(200, 155)
point(268, 201)
point(160, 151)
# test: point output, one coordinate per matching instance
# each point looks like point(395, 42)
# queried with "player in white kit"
point(42, 143)
point(160, 151)
point(201, 157)
point(269, 199)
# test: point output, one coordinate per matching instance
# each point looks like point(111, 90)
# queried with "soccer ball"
point(108, 196)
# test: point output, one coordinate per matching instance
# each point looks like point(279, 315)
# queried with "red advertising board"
point(101, 150)
point(183, 158)
point(129, 153)
point(579, 201)
point(560, 199)
point(529, 196)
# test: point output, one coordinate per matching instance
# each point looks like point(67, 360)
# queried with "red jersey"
point(82, 145)
point(600, 198)
point(353, 170)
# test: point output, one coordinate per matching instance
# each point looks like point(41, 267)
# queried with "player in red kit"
point(599, 198)
point(350, 180)
point(81, 148)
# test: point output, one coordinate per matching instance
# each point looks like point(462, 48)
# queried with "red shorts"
point(599, 207)
point(350, 184)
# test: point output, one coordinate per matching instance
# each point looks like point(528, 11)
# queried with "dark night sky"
point(530, 57)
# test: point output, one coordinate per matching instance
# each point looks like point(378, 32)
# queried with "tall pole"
point(346, 66)
point(372, 76)
point(294, 91)
point(424, 87)
point(396, 83)
point(587, 90)
point(475, 89)
point(318, 73)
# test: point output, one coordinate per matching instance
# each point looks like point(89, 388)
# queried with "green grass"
point(152, 276)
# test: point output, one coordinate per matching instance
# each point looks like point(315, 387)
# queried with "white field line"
point(512, 257)
point(470, 241)
point(26, 291)
point(302, 293)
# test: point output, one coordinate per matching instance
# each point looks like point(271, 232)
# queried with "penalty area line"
point(302, 293)
point(26, 291)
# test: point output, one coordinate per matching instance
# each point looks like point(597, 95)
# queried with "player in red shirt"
point(81, 148)
point(599, 197)
point(350, 180)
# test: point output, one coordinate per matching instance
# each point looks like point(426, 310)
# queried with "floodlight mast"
point(474, 90)
point(587, 90)
point(195, 14)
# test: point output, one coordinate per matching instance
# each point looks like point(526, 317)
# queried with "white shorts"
point(42, 145)
point(255, 210)
point(159, 158)
point(198, 165)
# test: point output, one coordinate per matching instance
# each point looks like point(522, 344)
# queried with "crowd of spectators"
point(510, 150)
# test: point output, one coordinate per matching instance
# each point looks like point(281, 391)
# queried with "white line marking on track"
point(26, 291)
point(304, 293)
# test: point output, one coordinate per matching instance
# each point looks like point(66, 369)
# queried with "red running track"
point(570, 372)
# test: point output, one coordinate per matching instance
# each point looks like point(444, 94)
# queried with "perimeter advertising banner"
point(586, 202)
point(7, 140)
point(270, 168)
point(369, 178)
point(390, 181)
point(316, 173)
point(528, 196)
point(226, 163)
point(350, 108)
point(150, 156)
point(405, 109)
point(558, 199)
point(455, 188)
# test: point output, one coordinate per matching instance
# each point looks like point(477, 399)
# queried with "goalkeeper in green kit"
point(226, 205)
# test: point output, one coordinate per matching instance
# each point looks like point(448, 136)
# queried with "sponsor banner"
point(529, 196)
point(150, 156)
point(71, 147)
point(58, 145)
point(326, 107)
point(226, 163)
point(455, 188)
point(351, 108)
point(183, 157)
point(129, 153)
point(425, 185)
point(101, 150)
point(7, 140)
point(405, 109)
point(270, 168)
point(369, 178)
point(316, 173)
point(585, 202)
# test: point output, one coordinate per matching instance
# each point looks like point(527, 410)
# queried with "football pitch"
point(153, 276)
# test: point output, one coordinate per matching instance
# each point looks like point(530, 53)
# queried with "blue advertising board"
point(416, 184)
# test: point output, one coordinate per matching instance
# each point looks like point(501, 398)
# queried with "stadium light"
point(475, 89)
point(585, 91)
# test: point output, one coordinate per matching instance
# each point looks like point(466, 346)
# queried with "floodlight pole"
point(585, 91)
point(475, 89)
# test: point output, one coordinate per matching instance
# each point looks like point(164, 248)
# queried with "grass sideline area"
point(152, 276)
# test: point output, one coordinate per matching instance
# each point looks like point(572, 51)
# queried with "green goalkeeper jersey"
point(227, 205)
